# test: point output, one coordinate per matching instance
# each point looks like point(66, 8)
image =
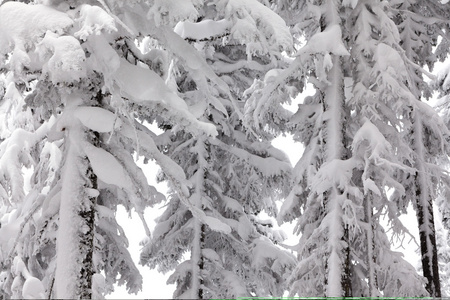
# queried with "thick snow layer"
point(33, 289)
point(235, 284)
point(211, 255)
point(103, 58)
point(325, 42)
point(334, 173)
point(386, 58)
point(107, 168)
point(378, 145)
point(245, 227)
point(142, 85)
point(266, 254)
point(194, 62)
point(254, 23)
point(9, 230)
point(287, 210)
point(16, 32)
point(172, 11)
point(94, 20)
point(67, 60)
point(202, 30)
point(98, 119)
point(66, 258)
point(216, 225)
point(15, 153)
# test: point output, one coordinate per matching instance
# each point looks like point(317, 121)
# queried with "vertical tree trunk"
point(368, 215)
point(202, 148)
point(86, 237)
point(425, 218)
point(338, 274)
point(427, 235)
point(197, 260)
point(75, 240)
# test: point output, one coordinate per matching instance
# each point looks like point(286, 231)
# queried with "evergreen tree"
point(84, 94)
point(376, 154)
point(420, 24)
point(234, 176)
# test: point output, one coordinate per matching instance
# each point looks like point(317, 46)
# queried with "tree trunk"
point(75, 240)
point(335, 149)
point(368, 215)
point(425, 218)
point(202, 148)
point(427, 235)
point(197, 260)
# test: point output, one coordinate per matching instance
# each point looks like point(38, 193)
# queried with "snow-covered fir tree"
point(420, 23)
point(233, 177)
point(61, 235)
point(322, 190)
point(383, 97)
point(212, 75)
point(372, 134)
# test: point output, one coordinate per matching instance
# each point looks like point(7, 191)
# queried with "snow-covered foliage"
point(78, 79)
point(234, 176)
point(75, 69)
point(362, 132)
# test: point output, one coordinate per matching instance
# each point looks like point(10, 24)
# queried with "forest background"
point(91, 91)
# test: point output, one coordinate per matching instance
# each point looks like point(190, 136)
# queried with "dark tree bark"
point(87, 214)
point(427, 235)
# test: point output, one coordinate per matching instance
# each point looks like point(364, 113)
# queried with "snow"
point(350, 3)
point(328, 41)
point(235, 283)
point(67, 60)
point(287, 210)
point(204, 29)
point(93, 21)
point(334, 173)
point(244, 228)
point(265, 253)
point(216, 225)
point(389, 60)
point(98, 286)
point(98, 119)
point(255, 23)
point(16, 32)
point(107, 168)
point(211, 255)
point(143, 85)
point(173, 11)
point(444, 76)
point(15, 152)
point(33, 289)
point(174, 172)
point(66, 248)
point(377, 144)
point(104, 59)
point(268, 166)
